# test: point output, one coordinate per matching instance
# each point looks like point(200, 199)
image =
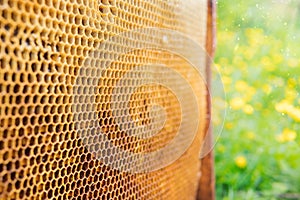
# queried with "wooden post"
point(206, 189)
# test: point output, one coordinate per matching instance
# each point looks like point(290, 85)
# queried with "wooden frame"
point(206, 189)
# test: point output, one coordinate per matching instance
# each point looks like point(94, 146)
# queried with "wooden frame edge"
point(206, 187)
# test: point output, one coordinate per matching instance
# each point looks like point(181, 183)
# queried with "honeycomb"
point(43, 149)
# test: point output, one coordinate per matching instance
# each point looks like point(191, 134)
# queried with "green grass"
point(258, 55)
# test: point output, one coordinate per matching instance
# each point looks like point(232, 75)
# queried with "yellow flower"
point(221, 148)
point(248, 109)
point(289, 135)
point(270, 68)
point(218, 66)
point(290, 94)
point(223, 61)
point(226, 80)
point(286, 136)
point(239, 62)
point(236, 103)
point(267, 64)
point(283, 106)
point(290, 110)
point(267, 89)
point(291, 83)
point(255, 36)
point(266, 61)
point(250, 136)
point(277, 58)
point(241, 162)
point(241, 86)
point(228, 125)
point(249, 93)
point(226, 36)
point(294, 113)
point(249, 53)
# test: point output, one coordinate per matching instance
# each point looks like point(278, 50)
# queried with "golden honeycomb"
point(44, 44)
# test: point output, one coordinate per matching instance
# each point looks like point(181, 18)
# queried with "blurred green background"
point(258, 55)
